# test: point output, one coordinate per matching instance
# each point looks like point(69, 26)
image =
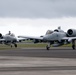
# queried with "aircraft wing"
point(2, 39)
point(31, 37)
point(69, 38)
point(21, 39)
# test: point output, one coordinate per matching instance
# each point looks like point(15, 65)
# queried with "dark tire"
point(73, 46)
point(47, 47)
point(15, 45)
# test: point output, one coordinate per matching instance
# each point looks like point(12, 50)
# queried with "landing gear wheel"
point(15, 45)
point(47, 47)
point(73, 46)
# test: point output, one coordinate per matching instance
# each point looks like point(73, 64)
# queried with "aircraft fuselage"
point(9, 38)
point(55, 36)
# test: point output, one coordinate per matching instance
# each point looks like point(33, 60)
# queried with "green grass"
point(29, 45)
point(39, 45)
point(6, 47)
point(32, 45)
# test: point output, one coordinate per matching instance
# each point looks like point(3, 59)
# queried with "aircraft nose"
point(45, 37)
point(49, 37)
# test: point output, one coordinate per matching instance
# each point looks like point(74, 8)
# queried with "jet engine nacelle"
point(71, 32)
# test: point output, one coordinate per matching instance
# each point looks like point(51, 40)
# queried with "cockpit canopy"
point(11, 34)
point(49, 32)
point(58, 30)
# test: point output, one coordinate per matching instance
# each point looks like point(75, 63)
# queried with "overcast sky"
point(35, 17)
point(38, 8)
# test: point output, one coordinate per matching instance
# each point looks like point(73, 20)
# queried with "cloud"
point(34, 27)
point(37, 8)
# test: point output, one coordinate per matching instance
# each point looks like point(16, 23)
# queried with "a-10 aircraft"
point(10, 39)
point(56, 38)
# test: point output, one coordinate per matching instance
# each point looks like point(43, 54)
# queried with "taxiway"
point(38, 61)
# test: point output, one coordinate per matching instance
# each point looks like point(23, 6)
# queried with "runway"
point(38, 61)
point(56, 52)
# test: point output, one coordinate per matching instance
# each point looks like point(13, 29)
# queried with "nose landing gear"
point(15, 45)
point(48, 46)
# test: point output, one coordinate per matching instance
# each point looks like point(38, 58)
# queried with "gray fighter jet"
point(10, 39)
point(56, 38)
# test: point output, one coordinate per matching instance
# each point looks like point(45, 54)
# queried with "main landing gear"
point(15, 45)
point(73, 44)
point(48, 46)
